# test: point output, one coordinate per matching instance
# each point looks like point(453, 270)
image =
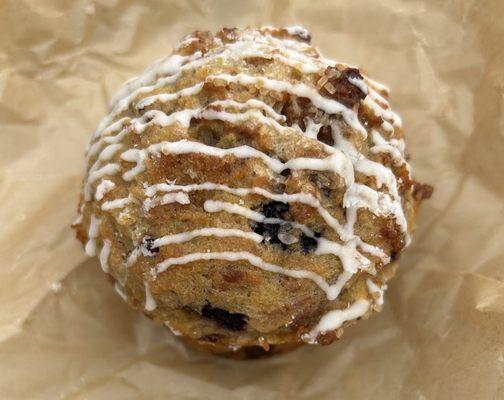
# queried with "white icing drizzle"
point(312, 128)
point(168, 65)
point(172, 329)
point(376, 291)
point(164, 97)
point(104, 255)
point(133, 256)
point(343, 159)
point(377, 85)
point(218, 232)
point(109, 169)
point(386, 114)
point(297, 30)
point(360, 84)
point(159, 118)
point(361, 196)
point(351, 260)
point(336, 162)
point(178, 197)
point(95, 172)
point(183, 118)
point(251, 103)
point(381, 108)
point(304, 198)
point(250, 45)
point(78, 220)
point(394, 153)
point(121, 100)
point(108, 152)
point(136, 156)
point(291, 53)
point(93, 232)
point(330, 106)
point(394, 147)
point(331, 291)
point(382, 174)
point(150, 303)
point(335, 318)
point(117, 203)
point(295, 61)
point(213, 206)
point(106, 137)
point(250, 115)
point(373, 250)
point(120, 291)
point(103, 188)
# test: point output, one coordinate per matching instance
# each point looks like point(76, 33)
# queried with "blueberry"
point(148, 248)
point(231, 321)
point(273, 209)
point(270, 233)
point(308, 244)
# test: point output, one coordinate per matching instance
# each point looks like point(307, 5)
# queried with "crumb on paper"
point(55, 286)
point(90, 9)
point(234, 347)
point(172, 329)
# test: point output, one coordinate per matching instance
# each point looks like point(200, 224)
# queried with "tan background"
point(441, 334)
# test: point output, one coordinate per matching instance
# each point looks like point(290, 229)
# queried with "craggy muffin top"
point(246, 190)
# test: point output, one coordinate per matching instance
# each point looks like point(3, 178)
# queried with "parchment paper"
point(441, 334)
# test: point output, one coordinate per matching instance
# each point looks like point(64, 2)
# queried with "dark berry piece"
point(394, 255)
point(325, 135)
point(231, 321)
point(272, 209)
point(307, 243)
point(270, 233)
point(275, 209)
point(148, 248)
point(286, 172)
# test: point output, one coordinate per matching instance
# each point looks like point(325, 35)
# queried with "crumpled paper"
point(64, 333)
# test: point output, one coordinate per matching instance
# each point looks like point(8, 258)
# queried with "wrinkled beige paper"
point(441, 334)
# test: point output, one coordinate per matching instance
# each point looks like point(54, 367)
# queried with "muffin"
point(248, 193)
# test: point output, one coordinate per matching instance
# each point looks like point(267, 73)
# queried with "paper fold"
point(440, 333)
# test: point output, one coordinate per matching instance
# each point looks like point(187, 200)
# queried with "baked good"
point(248, 193)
